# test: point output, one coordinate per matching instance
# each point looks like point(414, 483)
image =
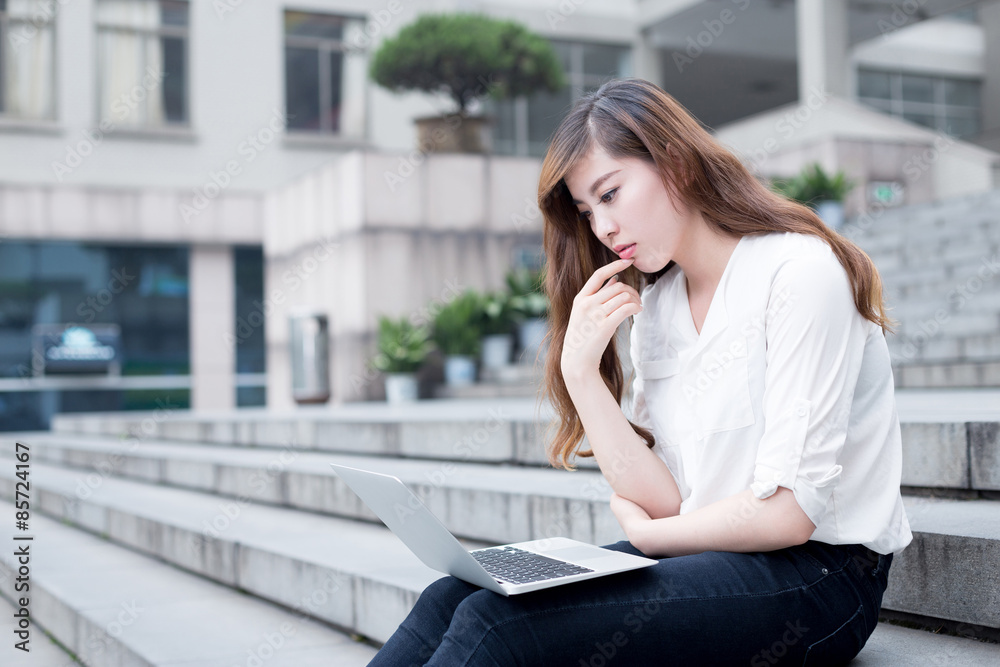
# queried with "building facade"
point(189, 174)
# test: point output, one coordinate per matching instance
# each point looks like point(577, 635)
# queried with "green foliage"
point(402, 346)
point(467, 56)
point(528, 298)
point(813, 185)
point(457, 325)
point(497, 314)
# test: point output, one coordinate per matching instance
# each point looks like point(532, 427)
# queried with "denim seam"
point(859, 610)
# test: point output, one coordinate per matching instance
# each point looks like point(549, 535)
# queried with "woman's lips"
point(627, 252)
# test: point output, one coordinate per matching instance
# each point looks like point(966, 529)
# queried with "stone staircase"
point(172, 538)
point(940, 265)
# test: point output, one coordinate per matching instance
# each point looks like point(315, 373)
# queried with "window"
point(27, 54)
point(949, 105)
point(523, 126)
point(325, 79)
point(142, 63)
point(141, 289)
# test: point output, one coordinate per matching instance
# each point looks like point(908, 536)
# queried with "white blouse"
point(787, 385)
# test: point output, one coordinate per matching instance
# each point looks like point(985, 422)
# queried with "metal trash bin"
point(308, 336)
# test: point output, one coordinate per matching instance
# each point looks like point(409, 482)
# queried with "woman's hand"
point(597, 311)
point(631, 517)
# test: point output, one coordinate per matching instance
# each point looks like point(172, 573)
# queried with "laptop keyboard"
point(518, 566)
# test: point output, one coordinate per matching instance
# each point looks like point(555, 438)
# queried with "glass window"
point(946, 104)
point(141, 289)
point(142, 62)
point(874, 84)
point(525, 125)
point(325, 80)
point(250, 313)
point(917, 88)
point(27, 57)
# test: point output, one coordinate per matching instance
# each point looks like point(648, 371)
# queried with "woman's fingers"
point(602, 274)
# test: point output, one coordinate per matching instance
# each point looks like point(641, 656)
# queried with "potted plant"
point(497, 320)
point(403, 348)
point(467, 57)
point(531, 309)
point(456, 333)
point(818, 190)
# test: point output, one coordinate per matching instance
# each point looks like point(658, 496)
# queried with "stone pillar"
point(646, 61)
point(212, 292)
point(822, 46)
point(989, 18)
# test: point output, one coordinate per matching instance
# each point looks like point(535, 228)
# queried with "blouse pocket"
point(720, 389)
point(656, 369)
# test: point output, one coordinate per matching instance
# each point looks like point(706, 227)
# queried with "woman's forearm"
point(631, 468)
point(741, 522)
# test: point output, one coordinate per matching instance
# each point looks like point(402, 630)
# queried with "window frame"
point(181, 129)
point(940, 109)
point(323, 46)
point(51, 23)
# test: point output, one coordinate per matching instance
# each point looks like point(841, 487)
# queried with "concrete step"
point(896, 646)
point(354, 575)
point(949, 571)
point(949, 437)
point(496, 503)
point(112, 606)
point(43, 651)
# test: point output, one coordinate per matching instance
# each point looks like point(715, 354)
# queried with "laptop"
point(508, 569)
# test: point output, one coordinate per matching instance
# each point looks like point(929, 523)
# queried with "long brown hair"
point(632, 118)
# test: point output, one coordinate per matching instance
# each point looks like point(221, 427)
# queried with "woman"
point(761, 464)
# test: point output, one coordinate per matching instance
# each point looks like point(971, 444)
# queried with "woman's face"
point(628, 209)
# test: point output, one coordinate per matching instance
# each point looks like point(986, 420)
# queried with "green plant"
point(403, 347)
point(813, 185)
point(457, 325)
point(497, 314)
point(527, 293)
point(467, 56)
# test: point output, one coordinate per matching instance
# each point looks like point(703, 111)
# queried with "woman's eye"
point(584, 216)
point(609, 195)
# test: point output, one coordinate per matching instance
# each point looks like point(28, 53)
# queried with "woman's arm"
point(631, 468)
point(738, 523)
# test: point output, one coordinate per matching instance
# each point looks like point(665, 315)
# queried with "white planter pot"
point(831, 212)
point(400, 387)
point(532, 333)
point(459, 370)
point(496, 350)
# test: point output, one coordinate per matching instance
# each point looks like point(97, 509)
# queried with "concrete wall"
point(381, 233)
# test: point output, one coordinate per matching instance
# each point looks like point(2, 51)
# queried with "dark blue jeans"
point(813, 604)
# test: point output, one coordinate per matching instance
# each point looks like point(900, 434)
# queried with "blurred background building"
point(188, 174)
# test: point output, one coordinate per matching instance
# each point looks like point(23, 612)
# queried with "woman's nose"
point(604, 225)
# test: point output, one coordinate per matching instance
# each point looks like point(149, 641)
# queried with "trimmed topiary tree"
point(467, 57)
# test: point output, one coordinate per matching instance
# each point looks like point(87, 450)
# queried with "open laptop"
point(508, 569)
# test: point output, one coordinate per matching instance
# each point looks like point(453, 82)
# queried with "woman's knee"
point(445, 593)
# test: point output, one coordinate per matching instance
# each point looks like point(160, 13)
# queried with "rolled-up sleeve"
point(815, 341)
